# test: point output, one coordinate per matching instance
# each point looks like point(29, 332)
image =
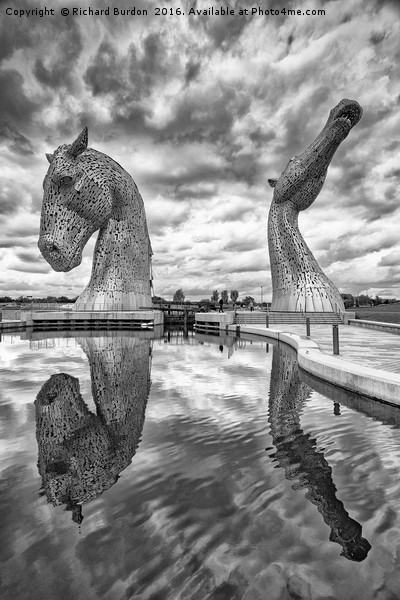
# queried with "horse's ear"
point(80, 144)
point(50, 157)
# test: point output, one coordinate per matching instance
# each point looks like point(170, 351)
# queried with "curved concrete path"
point(376, 349)
point(368, 363)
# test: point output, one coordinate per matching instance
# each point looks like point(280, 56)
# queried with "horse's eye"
point(66, 180)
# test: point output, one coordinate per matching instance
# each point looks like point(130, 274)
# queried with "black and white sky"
point(201, 111)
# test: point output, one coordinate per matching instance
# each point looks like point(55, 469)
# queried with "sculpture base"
point(132, 319)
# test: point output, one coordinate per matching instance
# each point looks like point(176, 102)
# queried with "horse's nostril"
point(50, 247)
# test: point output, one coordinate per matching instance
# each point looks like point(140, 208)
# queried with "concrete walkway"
point(375, 349)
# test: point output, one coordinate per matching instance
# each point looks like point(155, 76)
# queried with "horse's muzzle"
point(60, 258)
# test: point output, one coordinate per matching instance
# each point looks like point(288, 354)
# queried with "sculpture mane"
point(298, 282)
point(85, 190)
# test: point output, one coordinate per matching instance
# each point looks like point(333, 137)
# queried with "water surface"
point(194, 468)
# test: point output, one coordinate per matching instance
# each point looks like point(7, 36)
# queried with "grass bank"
point(384, 313)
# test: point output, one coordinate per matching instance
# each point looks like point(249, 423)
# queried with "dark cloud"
point(132, 76)
point(377, 37)
point(346, 18)
point(194, 174)
point(128, 80)
point(390, 260)
point(9, 200)
point(104, 75)
point(15, 106)
point(29, 257)
point(224, 31)
point(129, 118)
point(15, 33)
point(15, 141)
point(198, 191)
point(199, 291)
point(192, 69)
point(374, 115)
point(244, 167)
point(56, 71)
point(249, 268)
point(390, 3)
point(353, 174)
point(394, 145)
point(304, 121)
point(345, 249)
point(28, 229)
point(151, 65)
point(393, 173)
point(202, 117)
point(13, 242)
point(261, 138)
point(227, 214)
point(166, 217)
point(382, 206)
point(392, 280)
point(244, 245)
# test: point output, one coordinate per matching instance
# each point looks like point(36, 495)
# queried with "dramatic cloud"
point(16, 142)
point(202, 109)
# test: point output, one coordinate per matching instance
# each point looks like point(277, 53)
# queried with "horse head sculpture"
point(85, 191)
point(298, 282)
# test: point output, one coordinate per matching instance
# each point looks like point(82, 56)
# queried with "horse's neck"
point(287, 246)
point(120, 375)
point(288, 395)
point(123, 246)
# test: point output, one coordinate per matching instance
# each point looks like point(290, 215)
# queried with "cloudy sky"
point(201, 111)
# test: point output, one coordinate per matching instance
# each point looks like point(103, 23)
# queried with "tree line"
point(30, 299)
point(233, 295)
point(351, 301)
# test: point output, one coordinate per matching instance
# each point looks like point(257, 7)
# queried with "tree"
point(179, 296)
point(224, 296)
point(205, 305)
point(158, 300)
point(215, 296)
point(348, 300)
point(234, 295)
point(247, 300)
point(364, 300)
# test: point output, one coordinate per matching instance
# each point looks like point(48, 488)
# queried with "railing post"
point(308, 327)
point(335, 331)
point(267, 320)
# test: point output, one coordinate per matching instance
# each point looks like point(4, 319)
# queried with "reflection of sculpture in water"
point(297, 454)
point(81, 453)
